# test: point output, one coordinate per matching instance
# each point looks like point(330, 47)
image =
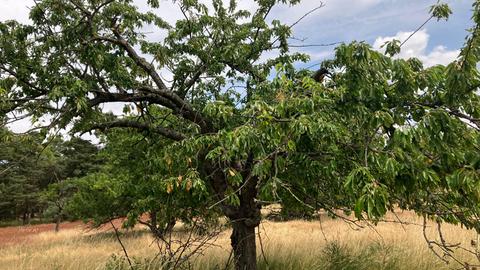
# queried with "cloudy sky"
point(373, 21)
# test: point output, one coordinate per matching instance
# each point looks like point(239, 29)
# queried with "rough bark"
point(245, 217)
point(244, 246)
point(244, 222)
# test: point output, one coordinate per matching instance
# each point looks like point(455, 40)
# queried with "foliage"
point(76, 158)
point(26, 167)
point(130, 185)
point(440, 11)
point(33, 173)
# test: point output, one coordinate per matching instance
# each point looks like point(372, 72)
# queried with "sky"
point(372, 21)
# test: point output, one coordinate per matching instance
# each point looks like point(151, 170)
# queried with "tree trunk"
point(244, 222)
point(244, 217)
point(57, 223)
point(24, 218)
point(244, 246)
point(162, 229)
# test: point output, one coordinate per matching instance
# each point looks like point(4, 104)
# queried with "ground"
point(329, 244)
point(21, 235)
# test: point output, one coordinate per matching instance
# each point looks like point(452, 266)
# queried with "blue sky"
point(373, 21)
point(339, 20)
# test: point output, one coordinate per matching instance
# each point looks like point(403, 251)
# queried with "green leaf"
point(440, 11)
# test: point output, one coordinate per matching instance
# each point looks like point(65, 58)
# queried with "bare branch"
point(416, 31)
point(167, 99)
point(313, 45)
point(123, 247)
point(306, 14)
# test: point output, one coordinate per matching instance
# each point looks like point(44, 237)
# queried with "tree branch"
point(177, 105)
point(169, 133)
point(140, 61)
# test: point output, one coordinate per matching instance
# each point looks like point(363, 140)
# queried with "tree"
point(26, 167)
point(75, 158)
point(384, 132)
point(56, 197)
point(130, 186)
point(78, 157)
point(33, 173)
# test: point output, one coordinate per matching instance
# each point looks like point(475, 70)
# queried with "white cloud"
point(416, 46)
point(440, 55)
point(320, 55)
point(15, 10)
point(21, 126)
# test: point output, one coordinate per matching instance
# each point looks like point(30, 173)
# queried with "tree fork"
point(244, 217)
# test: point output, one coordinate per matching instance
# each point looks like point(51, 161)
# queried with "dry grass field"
point(332, 244)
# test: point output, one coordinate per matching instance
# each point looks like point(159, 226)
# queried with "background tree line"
point(37, 176)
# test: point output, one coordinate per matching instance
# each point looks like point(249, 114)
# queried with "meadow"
point(329, 244)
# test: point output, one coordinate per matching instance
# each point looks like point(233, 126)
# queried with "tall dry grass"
point(286, 245)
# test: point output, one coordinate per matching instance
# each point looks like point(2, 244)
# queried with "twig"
point(321, 228)
point(314, 45)
point(229, 260)
point(121, 244)
point(414, 32)
point(469, 47)
point(261, 247)
point(306, 14)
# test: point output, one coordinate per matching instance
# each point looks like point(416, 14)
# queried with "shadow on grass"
point(110, 235)
point(334, 256)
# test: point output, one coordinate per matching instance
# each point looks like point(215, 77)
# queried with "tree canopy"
point(381, 133)
point(29, 166)
point(24, 172)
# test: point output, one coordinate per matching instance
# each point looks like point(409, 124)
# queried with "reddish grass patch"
point(21, 234)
